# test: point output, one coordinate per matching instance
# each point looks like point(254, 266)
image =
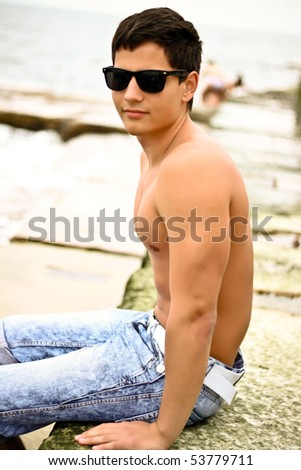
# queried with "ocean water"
point(65, 51)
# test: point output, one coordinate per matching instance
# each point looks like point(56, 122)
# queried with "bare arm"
point(190, 188)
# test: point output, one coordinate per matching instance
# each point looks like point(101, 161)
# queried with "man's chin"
point(133, 130)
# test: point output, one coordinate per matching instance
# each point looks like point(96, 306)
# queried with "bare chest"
point(149, 224)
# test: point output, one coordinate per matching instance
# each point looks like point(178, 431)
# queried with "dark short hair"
point(167, 28)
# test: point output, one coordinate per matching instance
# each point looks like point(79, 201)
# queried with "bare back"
point(199, 168)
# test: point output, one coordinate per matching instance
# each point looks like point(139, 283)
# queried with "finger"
point(102, 430)
point(100, 439)
point(92, 440)
point(95, 431)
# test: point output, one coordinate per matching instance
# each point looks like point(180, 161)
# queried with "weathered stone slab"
point(106, 224)
point(277, 267)
point(41, 278)
point(69, 116)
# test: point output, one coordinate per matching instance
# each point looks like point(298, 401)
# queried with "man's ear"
point(190, 86)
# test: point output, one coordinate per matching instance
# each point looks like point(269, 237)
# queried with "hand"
point(131, 435)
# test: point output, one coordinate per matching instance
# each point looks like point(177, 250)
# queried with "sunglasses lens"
point(117, 80)
point(151, 81)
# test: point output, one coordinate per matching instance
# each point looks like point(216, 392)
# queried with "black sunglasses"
point(149, 81)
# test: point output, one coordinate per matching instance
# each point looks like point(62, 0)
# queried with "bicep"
point(197, 262)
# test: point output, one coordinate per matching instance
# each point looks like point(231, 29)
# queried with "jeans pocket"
point(141, 342)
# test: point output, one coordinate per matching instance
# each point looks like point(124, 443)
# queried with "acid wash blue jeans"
point(104, 366)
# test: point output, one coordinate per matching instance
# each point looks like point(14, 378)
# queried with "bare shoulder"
point(202, 163)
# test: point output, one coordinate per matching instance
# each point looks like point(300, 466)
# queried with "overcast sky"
point(271, 15)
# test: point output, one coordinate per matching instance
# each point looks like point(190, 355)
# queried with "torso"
point(235, 295)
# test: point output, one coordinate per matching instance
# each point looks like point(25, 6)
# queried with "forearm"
point(186, 357)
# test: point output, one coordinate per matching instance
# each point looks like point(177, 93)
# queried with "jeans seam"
point(55, 344)
point(149, 415)
point(28, 411)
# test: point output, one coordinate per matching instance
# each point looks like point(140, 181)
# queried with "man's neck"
point(157, 146)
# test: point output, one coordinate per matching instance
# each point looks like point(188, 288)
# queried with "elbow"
point(205, 317)
point(200, 315)
point(201, 323)
point(201, 309)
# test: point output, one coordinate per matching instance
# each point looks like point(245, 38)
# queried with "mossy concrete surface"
point(277, 268)
point(266, 412)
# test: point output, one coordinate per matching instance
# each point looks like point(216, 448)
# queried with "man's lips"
point(134, 113)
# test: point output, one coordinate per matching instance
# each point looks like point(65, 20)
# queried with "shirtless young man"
point(146, 377)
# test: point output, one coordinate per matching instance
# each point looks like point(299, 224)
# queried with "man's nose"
point(133, 92)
